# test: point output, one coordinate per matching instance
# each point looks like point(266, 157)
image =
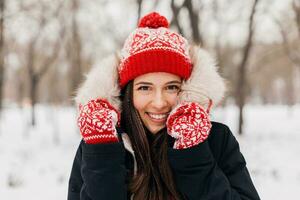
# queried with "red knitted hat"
point(152, 47)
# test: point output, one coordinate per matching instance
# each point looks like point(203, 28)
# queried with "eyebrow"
point(149, 83)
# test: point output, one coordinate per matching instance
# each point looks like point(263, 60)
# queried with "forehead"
point(157, 77)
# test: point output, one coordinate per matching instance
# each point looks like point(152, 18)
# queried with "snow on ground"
point(36, 162)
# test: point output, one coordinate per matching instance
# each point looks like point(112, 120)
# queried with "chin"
point(156, 129)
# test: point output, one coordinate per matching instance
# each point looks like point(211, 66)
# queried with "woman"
point(146, 129)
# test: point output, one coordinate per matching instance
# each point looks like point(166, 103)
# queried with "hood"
point(102, 80)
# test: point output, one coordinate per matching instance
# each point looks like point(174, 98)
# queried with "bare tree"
point(139, 4)
point(77, 48)
point(74, 49)
point(296, 9)
point(241, 84)
point(194, 21)
point(175, 21)
point(217, 46)
point(293, 56)
point(290, 46)
point(140, 7)
point(2, 8)
point(37, 71)
point(292, 53)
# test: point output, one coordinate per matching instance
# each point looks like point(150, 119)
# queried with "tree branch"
point(296, 8)
point(2, 9)
point(194, 20)
point(241, 84)
point(175, 20)
point(139, 3)
point(292, 56)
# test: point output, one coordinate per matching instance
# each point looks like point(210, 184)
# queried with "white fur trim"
point(101, 82)
point(205, 82)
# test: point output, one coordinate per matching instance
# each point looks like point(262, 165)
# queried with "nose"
point(159, 101)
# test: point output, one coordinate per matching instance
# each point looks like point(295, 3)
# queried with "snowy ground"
point(36, 162)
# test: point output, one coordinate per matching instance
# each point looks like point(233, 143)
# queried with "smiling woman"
point(147, 134)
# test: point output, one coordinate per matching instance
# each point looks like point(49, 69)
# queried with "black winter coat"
point(212, 170)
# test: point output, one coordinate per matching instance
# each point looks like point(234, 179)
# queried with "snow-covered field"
point(35, 163)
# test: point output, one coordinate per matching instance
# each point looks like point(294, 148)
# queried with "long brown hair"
point(154, 179)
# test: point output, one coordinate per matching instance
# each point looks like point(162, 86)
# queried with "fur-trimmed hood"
point(102, 80)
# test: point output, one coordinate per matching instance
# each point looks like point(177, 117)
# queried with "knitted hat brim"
point(157, 60)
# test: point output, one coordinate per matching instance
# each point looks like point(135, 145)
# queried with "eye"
point(173, 87)
point(144, 88)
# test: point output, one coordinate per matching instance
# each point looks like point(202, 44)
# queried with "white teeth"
point(158, 116)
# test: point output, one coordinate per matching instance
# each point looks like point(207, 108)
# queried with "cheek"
point(139, 101)
point(173, 100)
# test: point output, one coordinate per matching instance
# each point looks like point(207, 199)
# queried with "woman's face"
point(154, 96)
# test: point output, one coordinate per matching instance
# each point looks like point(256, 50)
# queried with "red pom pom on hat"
point(153, 20)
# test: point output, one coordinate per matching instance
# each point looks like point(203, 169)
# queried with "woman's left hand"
point(189, 124)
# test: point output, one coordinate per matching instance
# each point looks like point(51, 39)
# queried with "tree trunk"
point(194, 20)
point(218, 37)
point(175, 21)
point(33, 88)
point(241, 84)
point(75, 57)
point(2, 7)
point(296, 8)
point(32, 81)
point(139, 4)
point(36, 72)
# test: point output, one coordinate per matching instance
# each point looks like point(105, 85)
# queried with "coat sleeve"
point(102, 171)
point(75, 180)
point(199, 176)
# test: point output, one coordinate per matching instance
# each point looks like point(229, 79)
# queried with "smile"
point(158, 117)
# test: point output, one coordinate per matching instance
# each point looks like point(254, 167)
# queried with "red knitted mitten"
point(97, 121)
point(189, 124)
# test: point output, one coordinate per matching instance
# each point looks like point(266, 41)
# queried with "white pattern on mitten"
point(189, 124)
point(97, 120)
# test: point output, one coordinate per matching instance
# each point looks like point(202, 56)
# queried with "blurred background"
point(47, 46)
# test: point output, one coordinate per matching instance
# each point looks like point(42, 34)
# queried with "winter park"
point(68, 68)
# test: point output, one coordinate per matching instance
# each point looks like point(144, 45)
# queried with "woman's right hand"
point(97, 122)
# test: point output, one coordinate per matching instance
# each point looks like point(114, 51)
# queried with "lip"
point(158, 120)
